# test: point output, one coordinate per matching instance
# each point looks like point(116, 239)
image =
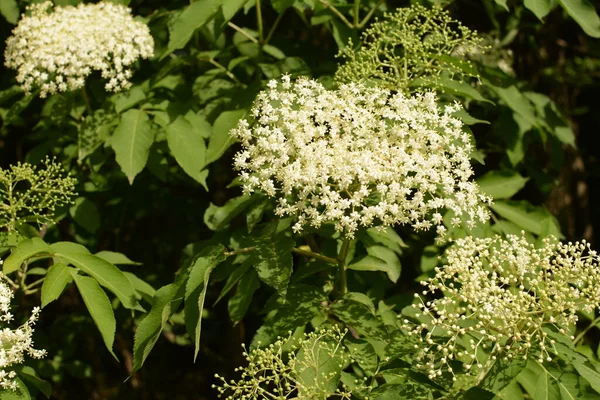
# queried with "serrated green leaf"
point(195, 16)
point(188, 148)
point(69, 247)
point(166, 301)
point(517, 102)
point(221, 140)
point(540, 8)
point(273, 260)
point(522, 214)
point(115, 258)
point(502, 373)
point(363, 353)
point(85, 214)
point(238, 303)
point(30, 376)
point(131, 142)
point(99, 307)
point(462, 89)
point(25, 249)
point(501, 184)
point(57, 278)
point(358, 317)
point(584, 13)
point(106, 274)
point(196, 287)
point(141, 286)
point(231, 7)
point(218, 218)
point(302, 303)
point(391, 266)
point(317, 367)
point(589, 374)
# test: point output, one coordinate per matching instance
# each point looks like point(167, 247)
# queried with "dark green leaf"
point(22, 393)
point(502, 374)
point(273, 260)
point(218, 218)
point(221, 140)
point(131, 142)
point(99, 307)
point(196, 287)
point(166, 302)
point(29, 375)
point(238, 304)
point(540, 8)
point(188, 148)
point(195, 16)
point(85, 214)
point(317, 367)
point(57, 278)
point(359, 317)
point(476, 393)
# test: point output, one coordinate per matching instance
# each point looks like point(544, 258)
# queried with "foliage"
point(279, 196)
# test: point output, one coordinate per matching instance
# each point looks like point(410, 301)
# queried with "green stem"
point(243, 32)
point(583, 332)
point(356, 10)
point(312, 254)
point(273, 27)
point(86, 99)
point(341, 261)
point(338, 14)
point(369, 15)
point(259, 22)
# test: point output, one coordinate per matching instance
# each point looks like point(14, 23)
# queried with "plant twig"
point(243, 32)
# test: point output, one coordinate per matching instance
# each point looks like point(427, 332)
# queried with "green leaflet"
point(238, 304)
point(221, 140)
point(195, 16)
point(99, 307)
point(166, 301)
point(585, 14)
point(540, 8)
point(25, 249)
point(195, 290)
point(131, 142)
point(272, 259)
point(85, 214)
point(188, 148)
point(57, 278)
point(501, 184)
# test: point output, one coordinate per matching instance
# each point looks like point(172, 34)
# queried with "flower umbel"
point(55, 51)
point(358, 156)
point(29, 194)
point(14, 344)
point(501, 297)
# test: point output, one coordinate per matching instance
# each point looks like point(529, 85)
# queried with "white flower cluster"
point(501, 297)
point(55, 51)
point(358, 156)
point(14, 343)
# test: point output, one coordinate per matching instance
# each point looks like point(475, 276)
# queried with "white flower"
point(357, 156)
point(55, 51)
point(500, 296)
point(14, 344)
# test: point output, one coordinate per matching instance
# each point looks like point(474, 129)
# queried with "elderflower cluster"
point(502, 298)
point(411, 48)
point(55, 50)
point(29, 194)
point(309, 367)
point(358, 156)
point(14, 344)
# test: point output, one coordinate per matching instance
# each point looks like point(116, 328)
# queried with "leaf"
point(234, 278)
point(188, 148)
point(85, 214)
point(131, 142)
point(358, 316)
point(166, 301)
point(115, 258)
point(238, 303)
point(25, 249)
point(363, 353)
point(195, 16)
point(281, 5)
point(106, 274)
point(522, 214)
point(401, 391)
point(584, 13)
point(589, 374)
point(141, 286)
point(501, 184)
point(273, 260)
point(221, 140)
point(30, 376)
point(317, 367)
point(10, 10)
point(57, 278)
point(373, 263)
point(502, 373)
point(540, 8)
point(302, 303)
point(125, 100)
point(100, 309)
point(476, 393)
point(502, 3)
point(69, 247)
point(22, 393)
point(517, 102)
point(218, 218)
point(196, 287)
point(462, 89)
point(231, 7)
